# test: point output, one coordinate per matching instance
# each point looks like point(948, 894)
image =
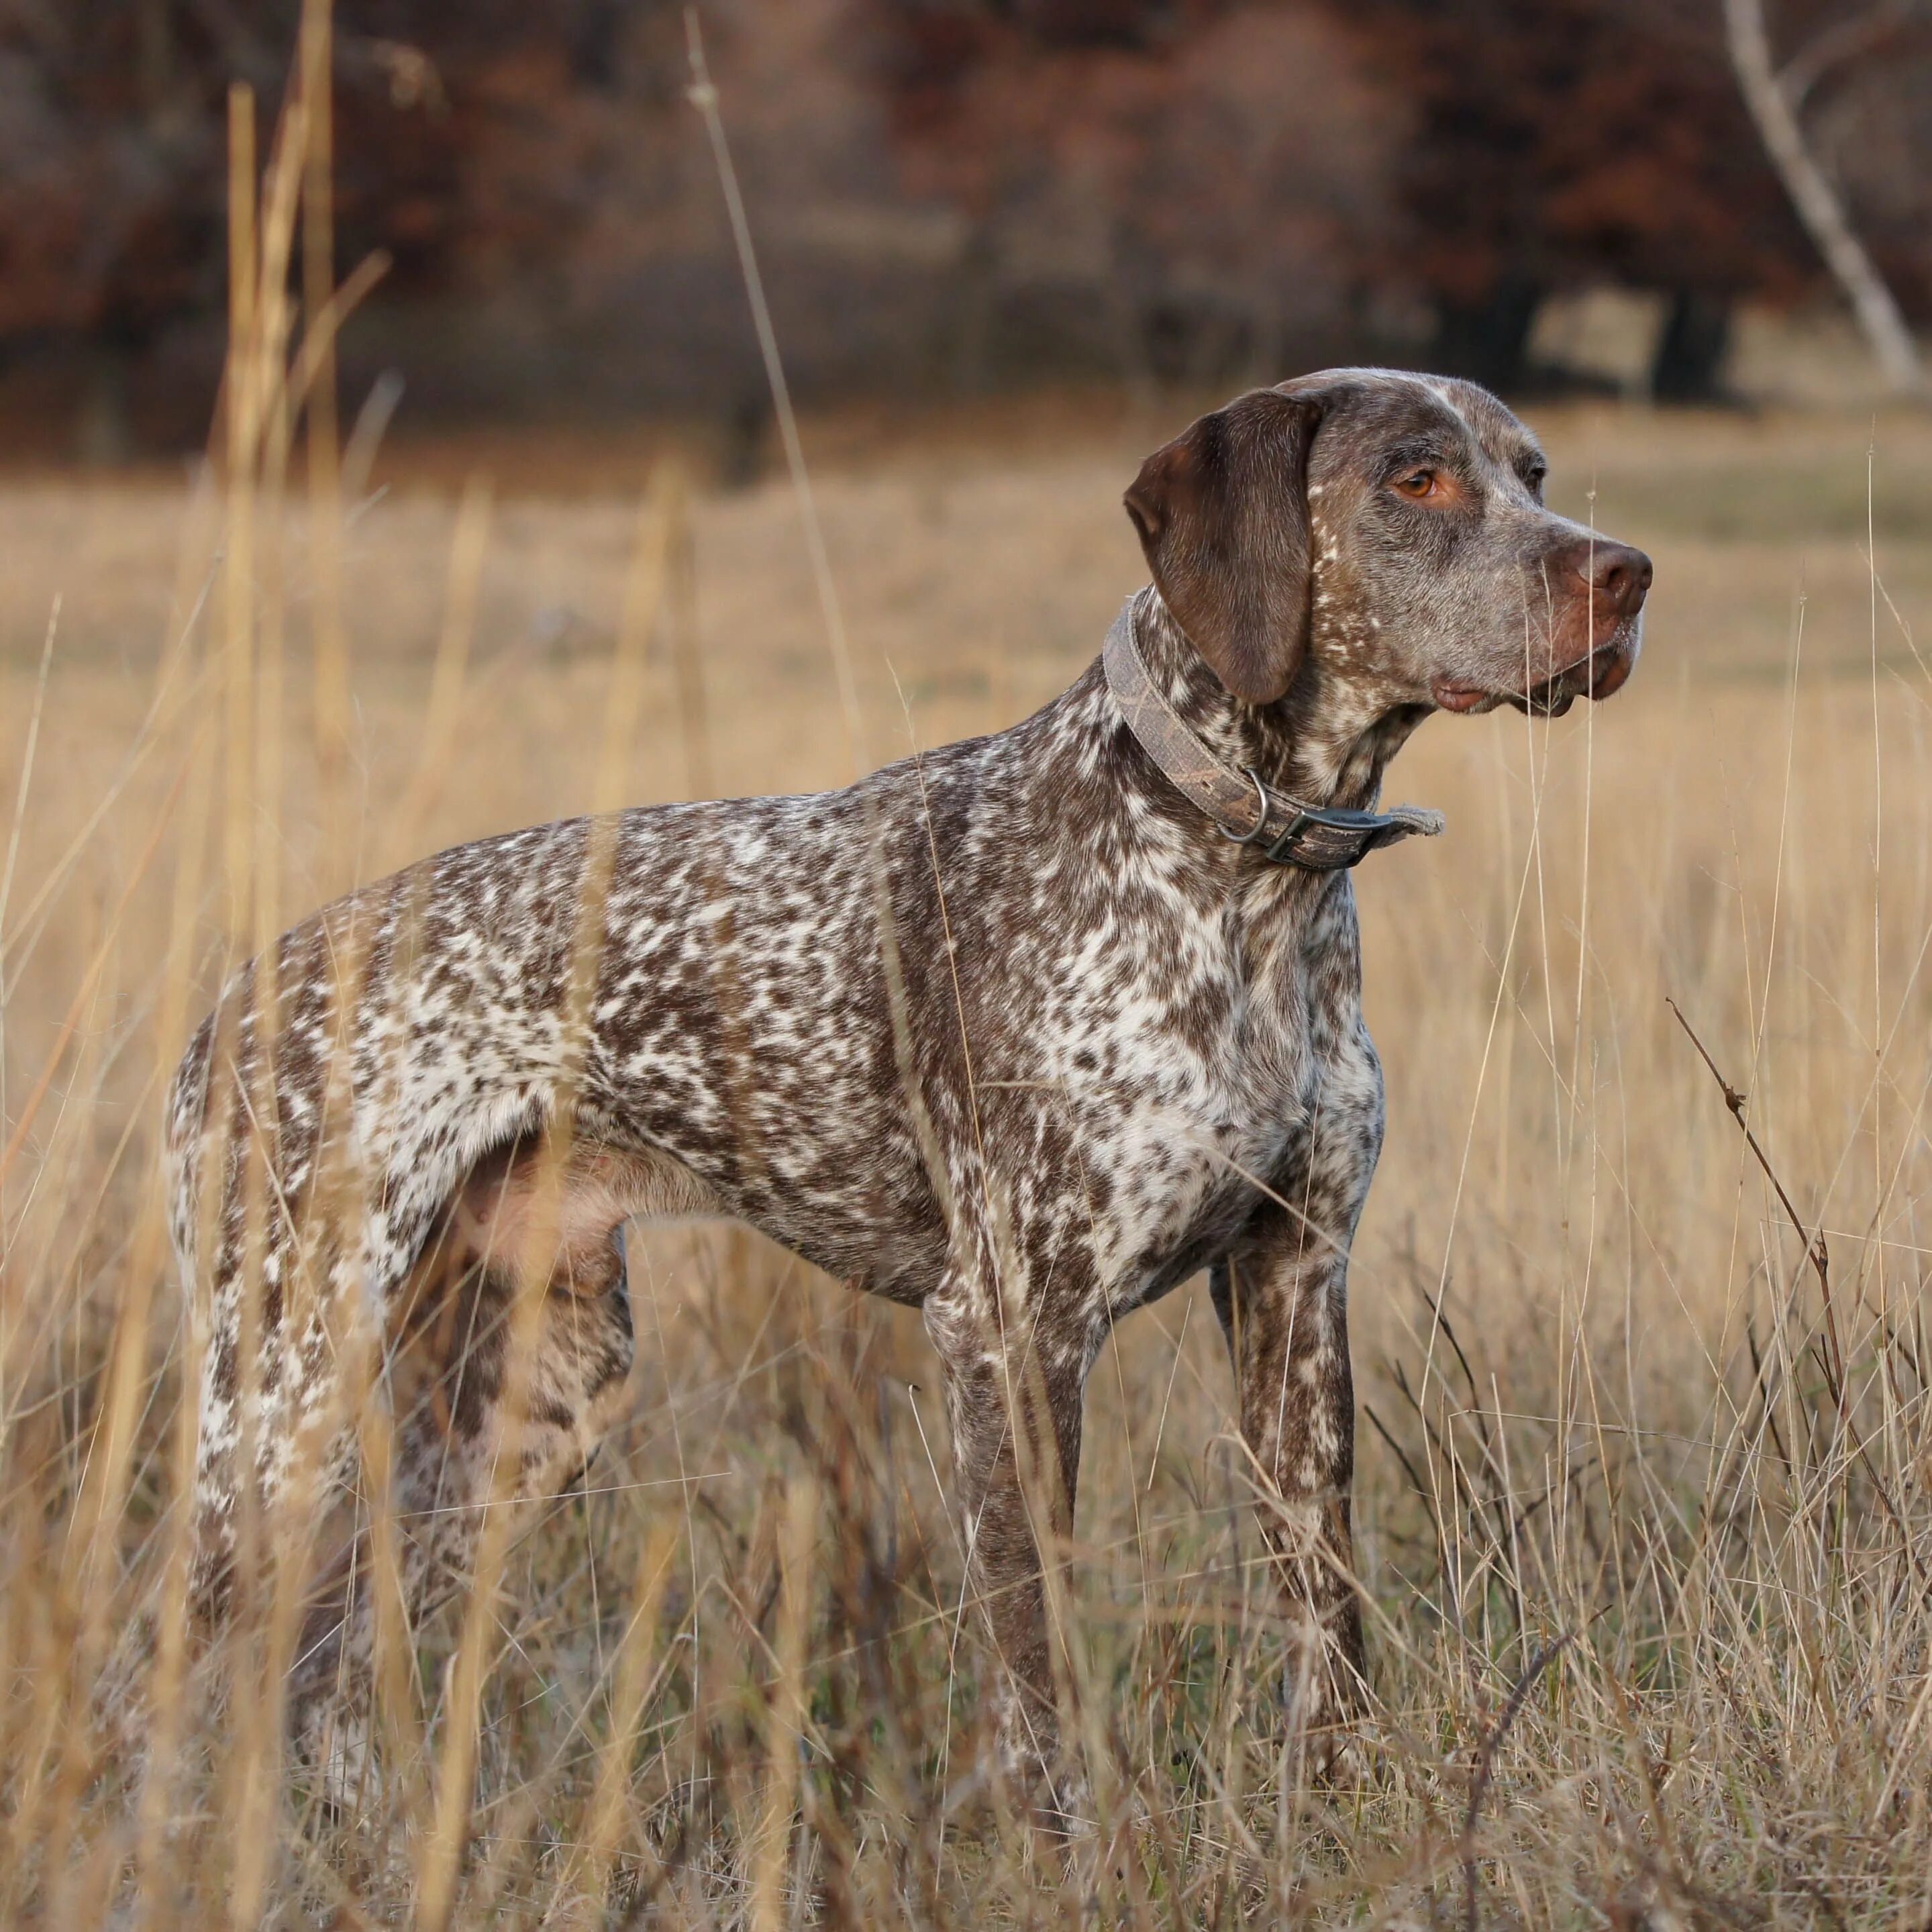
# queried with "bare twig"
point(1815, 1251)
point(1840, 43)
point(1834, 1362)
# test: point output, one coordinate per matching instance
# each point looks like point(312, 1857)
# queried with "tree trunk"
point(1690, 348)
point(1816, 202)
point(1488, 340)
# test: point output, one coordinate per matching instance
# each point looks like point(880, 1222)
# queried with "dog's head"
point(1393, 525)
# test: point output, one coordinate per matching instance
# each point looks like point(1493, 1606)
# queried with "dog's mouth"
point(1598, 673)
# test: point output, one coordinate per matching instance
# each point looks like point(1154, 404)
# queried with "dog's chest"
point(1203, 1053)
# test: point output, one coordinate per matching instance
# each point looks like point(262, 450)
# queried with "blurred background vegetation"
point(950, 196)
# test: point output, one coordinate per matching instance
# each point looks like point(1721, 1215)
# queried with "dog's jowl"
point(1023, 1036)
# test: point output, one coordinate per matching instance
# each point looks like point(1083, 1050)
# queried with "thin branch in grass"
point(1415, 1482)
point(1475, 1509)
point(1834, 1366)
point(1502, 1501)
point(1815, 1251)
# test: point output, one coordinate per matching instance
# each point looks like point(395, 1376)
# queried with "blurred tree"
point(110, 204)
point(1564, 142)
point(548, 202)
point(468, 138)
point(1183, 189)
point(470, 144)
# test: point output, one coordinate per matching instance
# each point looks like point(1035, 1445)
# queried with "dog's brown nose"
point(1619, 578)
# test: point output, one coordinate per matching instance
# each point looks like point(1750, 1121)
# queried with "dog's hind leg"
point(522, 1249)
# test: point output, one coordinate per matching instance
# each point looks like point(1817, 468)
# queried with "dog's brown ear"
point(1222, 515)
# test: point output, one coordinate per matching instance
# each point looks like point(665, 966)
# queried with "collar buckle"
point(1357, 834)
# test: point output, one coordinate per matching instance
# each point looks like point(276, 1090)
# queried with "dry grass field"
point(1644, 1495)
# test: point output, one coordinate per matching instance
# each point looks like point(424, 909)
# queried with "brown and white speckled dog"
point(1023, 1033)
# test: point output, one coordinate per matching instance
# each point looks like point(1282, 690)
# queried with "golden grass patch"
point(1620, 1461)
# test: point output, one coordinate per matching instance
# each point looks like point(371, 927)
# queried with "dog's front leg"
point(1013, 1405)
point(1281, 1296)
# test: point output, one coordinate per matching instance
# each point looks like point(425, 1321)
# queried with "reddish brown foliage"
point(948, 189)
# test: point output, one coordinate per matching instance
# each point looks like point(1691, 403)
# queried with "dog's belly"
point(1111, 1199)
point(845, 1191)
point(1091, 1197)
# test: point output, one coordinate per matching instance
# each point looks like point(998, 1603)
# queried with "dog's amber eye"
point(1419, 485)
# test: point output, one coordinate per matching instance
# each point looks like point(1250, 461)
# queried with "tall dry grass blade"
point(630, 1689)
point(786, 1715)
point(276, 407)
point(102, 956)
point(174, 689)
point(269, 1556)
point(329, 634)
point(704, 96)
point(97, 1514)
point(643, 601)
point(25, 787)
point(22, 791)
point(687, 644)
point(442, 717)
point(162, 1696)
point(242, 431)
point(440, 1863)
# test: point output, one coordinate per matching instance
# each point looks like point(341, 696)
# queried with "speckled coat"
point(1009, 1032)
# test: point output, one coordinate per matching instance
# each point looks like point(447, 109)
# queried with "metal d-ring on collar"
point(1261, 819)
point(1373, 829)
point(1316, 839)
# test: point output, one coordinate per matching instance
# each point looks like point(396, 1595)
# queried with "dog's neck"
point(1327, 743)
